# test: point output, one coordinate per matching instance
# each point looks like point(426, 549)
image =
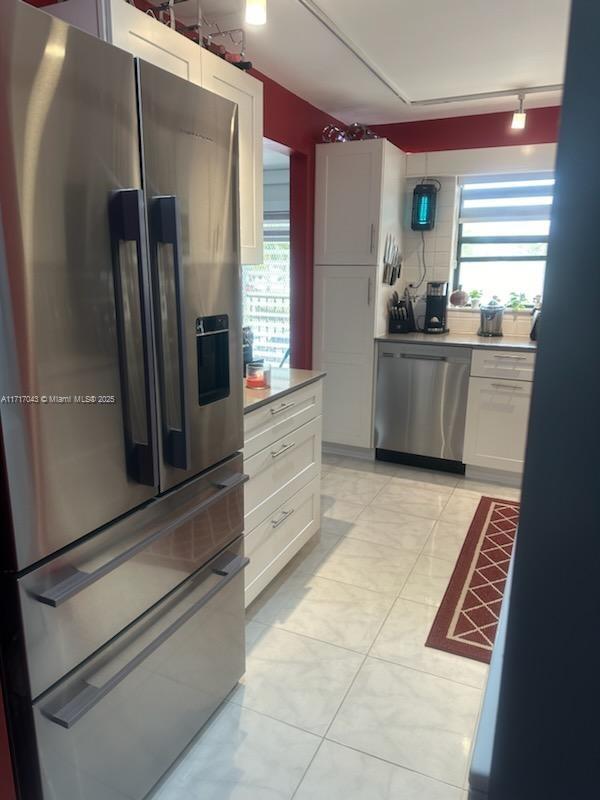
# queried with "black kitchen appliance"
point(423, 207)
point(436, 308)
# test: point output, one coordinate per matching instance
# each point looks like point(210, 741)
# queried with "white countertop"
point(522, 343)
point(283, 381)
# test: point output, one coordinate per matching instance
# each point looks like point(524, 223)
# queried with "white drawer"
point(269, 423)
point(517, 366)
point(278, 471)
point(276, 540)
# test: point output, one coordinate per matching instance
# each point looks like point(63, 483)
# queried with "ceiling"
point(431, 49)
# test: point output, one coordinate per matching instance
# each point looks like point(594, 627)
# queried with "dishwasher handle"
point(423, 358)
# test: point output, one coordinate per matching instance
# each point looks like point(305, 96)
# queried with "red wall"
point(7, 790)
point(479, 130)
point(297, 124)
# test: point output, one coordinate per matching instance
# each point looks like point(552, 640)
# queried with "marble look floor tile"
point(402, 640)
point(433, 567)
point(425, 479)
point(479, 488)
point(446, 540)
point(331, 508)
point(410, 718)
point(343, 774)
point(460, 509)
point(414, 500)
point(428, 581)
point(327, 610)
point(314, 552)
point(365, 564)
point(296, 679)
point(241, 755)
point(408, 535)
point(345, 485)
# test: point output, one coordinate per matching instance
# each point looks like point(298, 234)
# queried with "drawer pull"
point(513, 358)
point(506, 386)
point(275, 523)
point(282, 407)
point(79, 580)
point(284, 448)
point(90, 695)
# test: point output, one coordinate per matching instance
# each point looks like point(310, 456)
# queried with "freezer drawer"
point(421, 399)
point(110, 730)
point(74, 604)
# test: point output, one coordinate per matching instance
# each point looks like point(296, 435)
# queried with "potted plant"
point(517, 301)
point(475, 295)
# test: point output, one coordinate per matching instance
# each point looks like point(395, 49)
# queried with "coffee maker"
point(436, 307)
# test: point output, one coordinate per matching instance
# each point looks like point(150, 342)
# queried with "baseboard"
point(498, 476)
point(366, 453)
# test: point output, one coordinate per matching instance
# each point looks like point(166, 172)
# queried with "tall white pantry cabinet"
point(358, 203)
point(125, 26)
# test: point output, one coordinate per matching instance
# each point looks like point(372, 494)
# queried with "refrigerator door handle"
point(79, 580)
point(126, 220)
point(90, 695)
point(165, 230)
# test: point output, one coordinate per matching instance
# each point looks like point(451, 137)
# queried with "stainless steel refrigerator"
point(121, 409)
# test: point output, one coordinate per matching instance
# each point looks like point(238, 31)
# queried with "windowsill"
point(468, 310)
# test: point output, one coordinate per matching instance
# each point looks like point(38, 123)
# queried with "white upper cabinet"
point(223, 79)
point(143, 36)
point(348, 202)
point(156, 43)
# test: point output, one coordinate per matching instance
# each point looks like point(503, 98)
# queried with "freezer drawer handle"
point(513, 358)
point(275, 523)
point(75, 583)
point(165, 229)
point(507, 386)
point(90, 695)
point(282, 407)
point(126, 222)
point(283, 449)
point(423, 358)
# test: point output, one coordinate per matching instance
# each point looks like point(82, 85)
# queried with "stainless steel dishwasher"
point(421, 404)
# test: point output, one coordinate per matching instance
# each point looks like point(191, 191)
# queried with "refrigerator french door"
point(87, 436)
point(121, 557)
point(190, 171)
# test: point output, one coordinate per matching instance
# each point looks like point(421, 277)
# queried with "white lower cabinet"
point(497, 420)
point(276, 540)
point(282, 458)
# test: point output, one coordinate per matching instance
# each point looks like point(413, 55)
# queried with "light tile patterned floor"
point(340, 698)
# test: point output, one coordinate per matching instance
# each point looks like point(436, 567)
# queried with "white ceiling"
point(428, 49)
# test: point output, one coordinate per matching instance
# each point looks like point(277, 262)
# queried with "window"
point(266, 289)
point(503, 235)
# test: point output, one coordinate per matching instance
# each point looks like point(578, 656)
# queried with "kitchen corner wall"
point(440, 258)
point(440, 243)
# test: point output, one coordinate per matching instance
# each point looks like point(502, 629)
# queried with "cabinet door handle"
point(369, 292)
point(506, 386)
point(275, 523)
point(282, 407)
point(513, 358)
point(372, 238)
point(284, 448)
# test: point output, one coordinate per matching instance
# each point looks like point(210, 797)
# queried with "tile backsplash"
point(440, 243)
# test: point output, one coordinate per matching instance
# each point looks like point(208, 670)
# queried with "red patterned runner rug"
point(467, 619)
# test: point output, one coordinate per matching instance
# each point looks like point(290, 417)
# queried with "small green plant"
point(475, 294)
point(517, 301)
